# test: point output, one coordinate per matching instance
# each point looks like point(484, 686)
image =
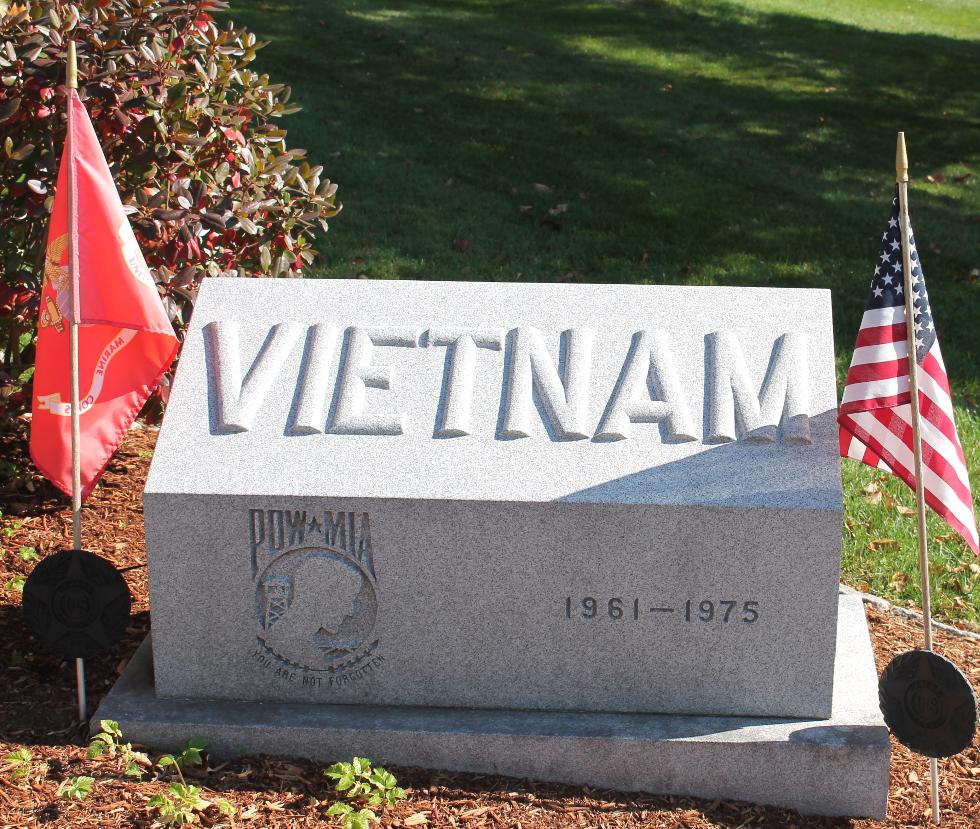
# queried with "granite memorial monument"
point(587, 534)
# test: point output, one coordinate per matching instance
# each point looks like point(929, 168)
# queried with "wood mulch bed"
point(37, 711)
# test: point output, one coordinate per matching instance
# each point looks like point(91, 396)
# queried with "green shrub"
point(191, 136)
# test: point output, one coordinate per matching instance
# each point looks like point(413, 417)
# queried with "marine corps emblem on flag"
point(55, 290)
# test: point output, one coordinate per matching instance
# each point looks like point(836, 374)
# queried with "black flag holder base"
point(928, 704)
point(77, 605)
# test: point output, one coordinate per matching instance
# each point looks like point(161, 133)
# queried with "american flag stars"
point(886, 287)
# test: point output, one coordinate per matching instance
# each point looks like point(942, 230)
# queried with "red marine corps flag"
point(95, 277)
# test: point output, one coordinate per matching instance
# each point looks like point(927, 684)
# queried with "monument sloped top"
point(605, 394)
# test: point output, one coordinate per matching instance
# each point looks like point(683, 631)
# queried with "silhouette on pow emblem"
point(317, 608)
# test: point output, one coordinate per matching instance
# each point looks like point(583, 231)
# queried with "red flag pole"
point(76, 448)
point(902, 177)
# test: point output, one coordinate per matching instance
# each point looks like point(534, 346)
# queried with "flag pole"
point(902, 177)
point(76, 448)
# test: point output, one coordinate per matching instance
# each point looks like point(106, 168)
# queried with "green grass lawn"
point(706, 142)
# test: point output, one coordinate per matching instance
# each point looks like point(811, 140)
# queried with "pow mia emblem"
point(316, 596)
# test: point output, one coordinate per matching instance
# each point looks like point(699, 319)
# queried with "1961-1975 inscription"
point(723, 611)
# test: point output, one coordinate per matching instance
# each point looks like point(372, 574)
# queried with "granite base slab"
point(837, 766)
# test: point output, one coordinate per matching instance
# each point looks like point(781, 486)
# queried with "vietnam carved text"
point(535, 383)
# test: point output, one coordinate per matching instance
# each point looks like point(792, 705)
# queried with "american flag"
point(876, 412)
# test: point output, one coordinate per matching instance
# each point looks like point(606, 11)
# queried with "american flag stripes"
point(876, 413)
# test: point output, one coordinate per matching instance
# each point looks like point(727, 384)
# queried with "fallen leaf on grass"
point(898, 581)
point(936, 178)
point(904, 510)
point(542, 188)
point(877, 543)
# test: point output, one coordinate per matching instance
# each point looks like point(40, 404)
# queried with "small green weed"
point(226, 808)
point(109, 742)
point(75, 788)
point(352, 818)
point(16, 583)
point(21, 766)
point(180, 802)
point(358, 780)
point(364, 786)
point(28, 554)
point(189, 755)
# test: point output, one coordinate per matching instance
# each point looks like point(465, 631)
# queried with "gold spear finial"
point(901, 160)
point(72, 66)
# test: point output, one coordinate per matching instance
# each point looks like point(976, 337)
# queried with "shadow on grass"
point(703, 143)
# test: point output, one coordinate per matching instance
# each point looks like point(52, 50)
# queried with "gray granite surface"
point(832, 767)
point(602, 498)
point(469, 605)
point(294, 445)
